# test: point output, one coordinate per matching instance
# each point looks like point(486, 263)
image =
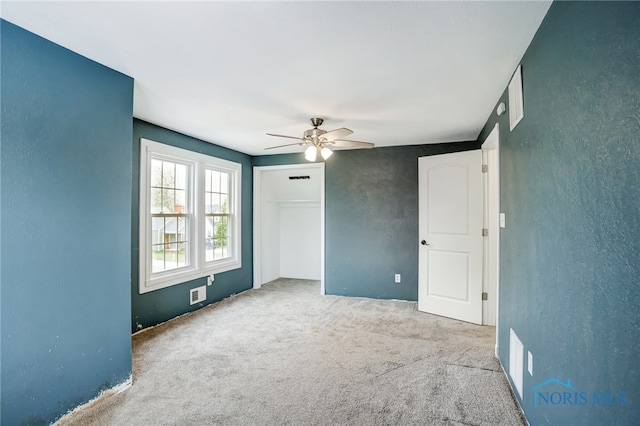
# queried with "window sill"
point(180, 277)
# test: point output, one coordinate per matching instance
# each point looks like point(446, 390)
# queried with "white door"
point(450, 225)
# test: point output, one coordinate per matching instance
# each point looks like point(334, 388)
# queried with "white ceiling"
point(396, 73)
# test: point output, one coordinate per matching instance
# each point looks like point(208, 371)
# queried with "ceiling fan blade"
point(284, 136)
point(336, 134)
point(351, 144)
point(289, 144)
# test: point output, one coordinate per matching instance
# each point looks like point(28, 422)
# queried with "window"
point(169, 215)
point(217, 214)
point(189, 215)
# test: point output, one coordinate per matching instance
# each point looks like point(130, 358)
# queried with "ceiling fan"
point(321, 141)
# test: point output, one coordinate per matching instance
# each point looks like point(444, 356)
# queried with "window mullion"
point(199, 216)
point(148, 221)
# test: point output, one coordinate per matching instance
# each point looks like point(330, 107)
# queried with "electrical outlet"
point(210, 279)
point(398, 278)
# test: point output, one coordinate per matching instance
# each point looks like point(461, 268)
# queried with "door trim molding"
point(491, 147)
point(257, 214)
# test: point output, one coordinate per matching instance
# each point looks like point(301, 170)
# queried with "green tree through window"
point(218, 216)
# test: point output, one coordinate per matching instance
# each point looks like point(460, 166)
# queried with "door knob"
point(424, 243)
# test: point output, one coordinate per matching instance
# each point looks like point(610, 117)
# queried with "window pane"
point(224, 208)
point(157, 258)
point(182, 255)
point(182, 230)
point(170, 257)
point(169, 243)
point(215, 181)
point(168, 187)
point(215, 203)
point(156, 173)
point(209, 249)
point(216, 191)
point(224, 183)
point(209, 227)
point(221, 236)
point(181, 176)
point(156, 200)
point(208, 207)
point(157, 228)
point(223, 250)
point(180, 201)
point(217, 239)
point(168, 174)
point(224, 225)
point(168, 197)
point(171, 229)
point(207, 180)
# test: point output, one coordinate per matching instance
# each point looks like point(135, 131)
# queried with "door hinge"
point(485, 296)
point(485, 232)
point(485, 168)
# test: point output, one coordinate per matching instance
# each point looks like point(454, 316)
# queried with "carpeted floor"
point(284, 355)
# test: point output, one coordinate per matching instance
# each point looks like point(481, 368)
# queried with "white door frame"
point(257, 214)
point(491, 157)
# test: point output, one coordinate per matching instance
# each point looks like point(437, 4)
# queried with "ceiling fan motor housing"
point(313, 134)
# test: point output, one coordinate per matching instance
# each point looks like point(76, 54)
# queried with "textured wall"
point(371, 218)
point(278, 159)
point(570, 187)
point(161, 305)
point(66, 203)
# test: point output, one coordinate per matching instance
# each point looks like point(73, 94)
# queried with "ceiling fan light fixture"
point(311, 153)
point(326, 153)
point(317, 140)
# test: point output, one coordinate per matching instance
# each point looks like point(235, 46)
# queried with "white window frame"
point(198, 267)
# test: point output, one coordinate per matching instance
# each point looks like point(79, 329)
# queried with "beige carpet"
point(284, 355)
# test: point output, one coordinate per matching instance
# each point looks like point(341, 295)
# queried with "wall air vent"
point(516, 105)
point(516, 361)
point(299, 177)
point(197, 295)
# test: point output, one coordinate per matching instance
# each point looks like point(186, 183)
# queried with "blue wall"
point(570, 188)
point(371, 218)
point(161, 305)
point(66, 225)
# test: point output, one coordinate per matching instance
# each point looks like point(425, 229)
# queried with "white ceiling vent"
point(516, 106)
point(197, 295)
